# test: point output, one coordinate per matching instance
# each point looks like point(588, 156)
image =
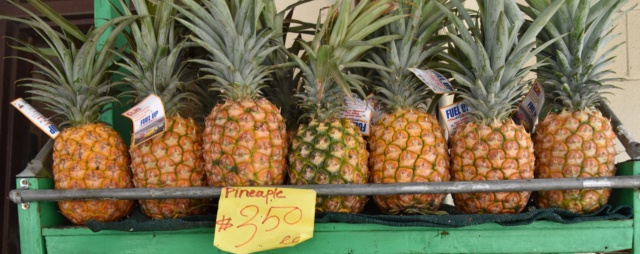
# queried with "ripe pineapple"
point(407, 144)
point(87, 154)
point(173, 159)
point(575, 140)
point(327, 149)
point(492, 147)
point(244, 138)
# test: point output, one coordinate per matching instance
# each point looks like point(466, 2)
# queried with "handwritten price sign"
point(252, 219)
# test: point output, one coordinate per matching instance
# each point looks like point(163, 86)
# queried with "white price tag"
point(360, 113)
point(455, 116)
point(434, 80)
point(36, 117)
point(148, 119)
point(529, 109)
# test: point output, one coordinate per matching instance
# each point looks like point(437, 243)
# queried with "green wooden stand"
point(44, 231)
point(331, 238)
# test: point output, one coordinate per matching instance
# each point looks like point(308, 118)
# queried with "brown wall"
point(19, 141)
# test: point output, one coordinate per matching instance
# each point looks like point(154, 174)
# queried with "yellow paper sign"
point(252, 219)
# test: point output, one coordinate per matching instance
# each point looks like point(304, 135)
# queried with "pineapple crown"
point(153, 66)
point(576, 76)
point(76, 86)
point(283, 82)
point(489, 70)
point(399, 88)
point(337, 47)
point(237, 45)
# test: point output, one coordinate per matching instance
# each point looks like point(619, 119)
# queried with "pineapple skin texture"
point(245, 144)
point(172, 159)
point(571, 145)
point(92, 156)
point(408, 146)
point(498, 151)
point(330, 153)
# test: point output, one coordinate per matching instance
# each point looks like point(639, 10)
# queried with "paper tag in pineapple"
point(148, 119)
point(529, 109)
point(455, 116)
point(36, 118)
point(434, 80)
point(376, 110)
point(252, 219)
point(360, 113)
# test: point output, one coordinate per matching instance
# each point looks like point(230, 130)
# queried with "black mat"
point(453, 218)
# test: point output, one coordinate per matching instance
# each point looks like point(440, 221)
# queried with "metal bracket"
point(631, 146)
point(24, 185)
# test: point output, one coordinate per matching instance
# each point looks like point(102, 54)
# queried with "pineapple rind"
point(331, 152)
point(571, 145)
point(245, 144)
point(92, 156)
point(499, 151)
point(408, 146)
point(173, 159)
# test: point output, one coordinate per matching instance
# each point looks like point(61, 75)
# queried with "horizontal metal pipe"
point(19, 196)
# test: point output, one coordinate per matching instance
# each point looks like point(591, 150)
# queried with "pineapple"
point(244, 137)
point(575, 140)
point(407, 144)
point(87, 154)
point(173, 159)
point(492, 146)
point(327, 149)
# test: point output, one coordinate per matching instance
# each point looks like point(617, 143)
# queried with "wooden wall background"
point(19, 140)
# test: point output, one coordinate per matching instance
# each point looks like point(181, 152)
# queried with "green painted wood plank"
point(635, 166)
point(35, 216)
point(629, 197)
point(542, 236)
point(624, 196)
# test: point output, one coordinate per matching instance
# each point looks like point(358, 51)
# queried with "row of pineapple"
point(360, 47)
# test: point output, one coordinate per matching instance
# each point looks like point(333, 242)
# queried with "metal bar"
point(630, 145)
point(19, 196)
point(36, 167)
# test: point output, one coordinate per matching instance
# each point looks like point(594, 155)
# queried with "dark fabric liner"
point(454, 218)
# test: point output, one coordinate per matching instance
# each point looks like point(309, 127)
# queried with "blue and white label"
point(148, 119)
point(455, 116)
point(36, 117)
point(529, 109)
point(434, 80)
point(362, 113)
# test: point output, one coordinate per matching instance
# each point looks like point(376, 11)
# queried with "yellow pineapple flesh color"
point(498, 151)
point(330, 153)
point(408, 146)
point(572, 145)
point(245, 144)
point(92, 156)
point(172, 159)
